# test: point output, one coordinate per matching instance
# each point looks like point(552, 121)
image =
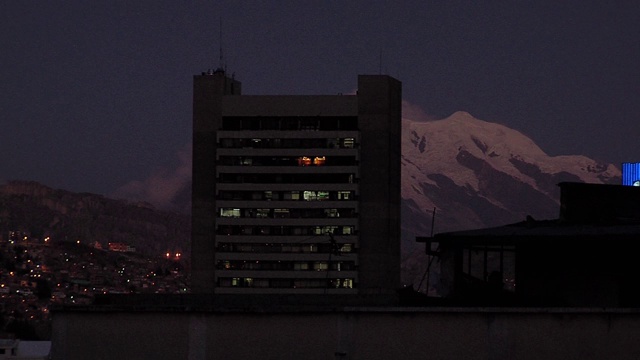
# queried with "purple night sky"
point(96, 96)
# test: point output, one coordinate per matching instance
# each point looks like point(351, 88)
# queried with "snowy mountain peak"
point(444, 146)
point(478, 174)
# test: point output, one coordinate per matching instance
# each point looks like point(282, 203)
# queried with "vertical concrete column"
point(380, 123)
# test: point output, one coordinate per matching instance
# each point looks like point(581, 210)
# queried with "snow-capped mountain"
point(478, 174)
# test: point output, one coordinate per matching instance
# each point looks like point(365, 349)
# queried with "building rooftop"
point(230, 302)
point(539, 228)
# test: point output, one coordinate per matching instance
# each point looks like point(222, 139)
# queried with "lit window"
point(304, 161)
point(262, 213)
point(319, 160)
point(331, 213)
point(228, 212)
point(309, 195)
point(320, 266)
point(343, 195)
point(346, 248)
point(348, 142)
point(293, 195)
point(323, 230)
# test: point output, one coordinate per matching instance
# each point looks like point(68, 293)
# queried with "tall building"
point(296, 194)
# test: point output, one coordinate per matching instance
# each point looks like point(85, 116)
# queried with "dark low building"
point(585, 258)
point(552, 289)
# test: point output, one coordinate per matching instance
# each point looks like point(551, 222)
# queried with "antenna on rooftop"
point(427, 272)
point(221, 64)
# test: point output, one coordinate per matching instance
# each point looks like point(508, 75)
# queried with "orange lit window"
point(304, 161)
point(319, 160)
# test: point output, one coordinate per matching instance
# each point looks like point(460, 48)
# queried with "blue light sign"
point(631, 174)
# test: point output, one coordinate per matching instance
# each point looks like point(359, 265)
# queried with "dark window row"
point(286, 283)
point(490, 264)
point(315, 123)
point(295, 213)
point(286, 265)
point(286, 178)
point(321, 248)
point(284, 230)
point(306, 195)
point(312, 143)
point(287, 161)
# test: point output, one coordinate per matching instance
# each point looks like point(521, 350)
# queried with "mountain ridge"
point(62, 215)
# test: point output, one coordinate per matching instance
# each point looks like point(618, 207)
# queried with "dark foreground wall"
point(356, 333)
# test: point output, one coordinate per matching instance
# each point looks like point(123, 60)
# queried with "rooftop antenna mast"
point(430, 257)
point(221, 64)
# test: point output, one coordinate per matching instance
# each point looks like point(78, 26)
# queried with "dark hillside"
point(89, 218)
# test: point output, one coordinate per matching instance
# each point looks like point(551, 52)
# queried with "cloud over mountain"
point(167, 188)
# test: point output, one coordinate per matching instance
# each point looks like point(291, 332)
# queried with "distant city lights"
point(175, 256)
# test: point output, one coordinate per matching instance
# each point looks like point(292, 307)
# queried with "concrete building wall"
point(208, 90)
point(379, 120)
point(371, 119)
point(290, 105)
point(392, 333)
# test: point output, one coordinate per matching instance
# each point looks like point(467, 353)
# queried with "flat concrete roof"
point(192, 303)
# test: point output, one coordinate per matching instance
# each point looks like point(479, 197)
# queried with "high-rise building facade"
point(296, 194)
